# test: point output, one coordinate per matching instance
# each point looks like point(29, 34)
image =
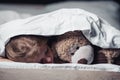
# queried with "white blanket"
point(95, 67)
point(96, 30)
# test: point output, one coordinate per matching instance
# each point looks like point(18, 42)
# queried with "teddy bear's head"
point(67, 44)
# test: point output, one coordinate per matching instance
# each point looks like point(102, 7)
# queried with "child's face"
point(24, 49)
point(45, 56)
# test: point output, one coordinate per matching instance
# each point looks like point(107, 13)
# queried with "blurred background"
point(45, 1)
point(14, 9)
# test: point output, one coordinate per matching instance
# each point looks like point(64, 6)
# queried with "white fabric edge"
point(67, 66)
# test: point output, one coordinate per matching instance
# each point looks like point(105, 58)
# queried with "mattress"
point(34, 71)
point(45, 74)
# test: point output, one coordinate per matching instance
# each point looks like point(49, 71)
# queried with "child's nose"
point(46, 60)
point(49, 60)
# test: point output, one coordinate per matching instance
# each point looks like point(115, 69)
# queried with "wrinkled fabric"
point(95, 29)
point(67, 66)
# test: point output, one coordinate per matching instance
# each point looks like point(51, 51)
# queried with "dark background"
point(45, 1)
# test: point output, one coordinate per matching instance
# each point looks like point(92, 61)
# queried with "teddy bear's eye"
point(72, 53)
point(77, 47)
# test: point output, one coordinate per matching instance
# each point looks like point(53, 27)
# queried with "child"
point(29, 48)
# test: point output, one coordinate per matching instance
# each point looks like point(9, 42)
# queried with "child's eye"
point(46, 52)
point(22, 55)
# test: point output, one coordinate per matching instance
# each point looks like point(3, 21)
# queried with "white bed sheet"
point(95, 67)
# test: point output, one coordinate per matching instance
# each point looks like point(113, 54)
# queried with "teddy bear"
point(73, 47)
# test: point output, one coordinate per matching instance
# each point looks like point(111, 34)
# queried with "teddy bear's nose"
point(83, 61)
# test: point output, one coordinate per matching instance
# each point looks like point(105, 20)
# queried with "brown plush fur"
point(68, 43)
point(110, 54)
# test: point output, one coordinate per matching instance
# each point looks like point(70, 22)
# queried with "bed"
point(108, 10)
